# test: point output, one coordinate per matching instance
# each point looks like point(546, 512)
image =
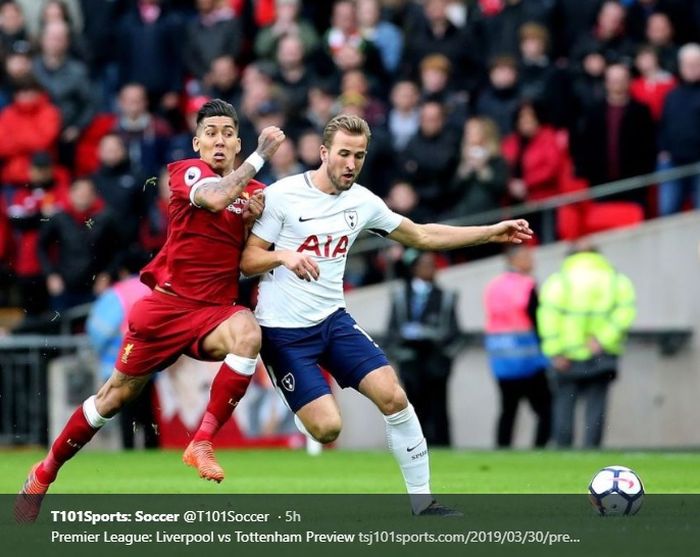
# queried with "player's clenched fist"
point(254, 208)
point(269, 140)
point(302, 266)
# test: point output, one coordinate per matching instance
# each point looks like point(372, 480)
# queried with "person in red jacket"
point(536, 154)
point(33, 124)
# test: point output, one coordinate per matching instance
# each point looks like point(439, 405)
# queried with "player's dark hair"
point(349, 123)
point(217, 107)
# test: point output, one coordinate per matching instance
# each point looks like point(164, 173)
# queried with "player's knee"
point(392, 400)
point(326, 430)
point(246, 334)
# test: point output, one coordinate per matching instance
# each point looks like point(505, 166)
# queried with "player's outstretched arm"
point(445, 237)
point(258, 259)
point(219, 195)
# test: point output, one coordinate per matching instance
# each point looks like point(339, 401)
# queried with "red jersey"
point(201, 256)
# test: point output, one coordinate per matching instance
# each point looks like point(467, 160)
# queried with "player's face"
point(344, 159)
point(217, 143)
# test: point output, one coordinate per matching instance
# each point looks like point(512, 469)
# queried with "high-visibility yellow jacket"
point(587, 298)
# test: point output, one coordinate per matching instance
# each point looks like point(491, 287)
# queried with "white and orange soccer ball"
point(616, 491)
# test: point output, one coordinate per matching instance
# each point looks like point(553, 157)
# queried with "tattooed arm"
point(218, 195)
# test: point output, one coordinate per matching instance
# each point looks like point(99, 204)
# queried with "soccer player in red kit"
point(192, 309)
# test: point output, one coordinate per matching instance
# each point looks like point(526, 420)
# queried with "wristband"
point(256, 161)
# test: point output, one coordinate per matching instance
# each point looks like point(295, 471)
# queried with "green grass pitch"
point(338, 471)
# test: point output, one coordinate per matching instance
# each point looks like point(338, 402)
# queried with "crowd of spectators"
point(474, 105)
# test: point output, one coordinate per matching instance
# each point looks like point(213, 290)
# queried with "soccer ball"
point(616, 491)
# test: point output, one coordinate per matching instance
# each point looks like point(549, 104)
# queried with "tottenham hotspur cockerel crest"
point(351, 218)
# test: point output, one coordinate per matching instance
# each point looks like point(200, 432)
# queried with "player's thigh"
point(382, 387)
point(291, 358)
point(237, 333)
point(350, 353)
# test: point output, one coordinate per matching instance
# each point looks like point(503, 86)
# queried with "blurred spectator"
point(498, 32)
point(679, 133)
point(282, 164)
point(500, 99)
point(540, 80)
point(106, 325)
point(573, 19)
point(403, 199)
point(379, 168)
point(309, 149)
point(66, 80)
point(33, 10)
point(436, 84)
point(293, 74)
point(607, 36)
point(99, 34)
point(510, 302)
point(17, 67)
point(653, 83)
point(618, 138)
point(123, 190)
point(405, 14)
point(355, 82)
point(430, 158)
point(145, 135)
point(287, 22)
point(423, 339)
point(345, 45)
point(180, 145)
point(13, 33)
point(678, 12)
point(35, 125)
point(223, 81)
point(660, 35)
point(588, 85)
point(586, 309)
point(216, 31)
point(321, 106)
point(79, 248)
point(403, 118)
point(537, 156)
point(149, 50)
point(434, 33)
point(30, 205)
point(57, 11)
point(384, 35)
point(481, 181)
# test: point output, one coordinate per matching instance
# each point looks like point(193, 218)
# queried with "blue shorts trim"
point(296, 358)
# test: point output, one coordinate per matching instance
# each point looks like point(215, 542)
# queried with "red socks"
point(76, 433)
point(227, 390)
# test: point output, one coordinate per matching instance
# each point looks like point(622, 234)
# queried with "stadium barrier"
point(44, 378)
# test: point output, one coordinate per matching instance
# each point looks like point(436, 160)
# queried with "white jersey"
point(300, 217)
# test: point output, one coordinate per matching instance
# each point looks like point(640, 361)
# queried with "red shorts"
point(163, 327)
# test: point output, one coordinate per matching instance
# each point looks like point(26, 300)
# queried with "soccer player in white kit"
point(312, 219)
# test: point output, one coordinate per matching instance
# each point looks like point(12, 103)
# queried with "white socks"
point(405, 439)
point(241, 364)
point(92, 415)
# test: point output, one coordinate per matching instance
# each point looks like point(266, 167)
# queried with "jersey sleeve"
point(186, 177)
point(269, 225)
point(383, 220)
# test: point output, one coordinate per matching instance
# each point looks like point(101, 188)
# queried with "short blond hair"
point(349, 123)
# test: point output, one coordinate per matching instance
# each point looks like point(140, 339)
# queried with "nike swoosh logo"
point(302, 219)
point(411, 449)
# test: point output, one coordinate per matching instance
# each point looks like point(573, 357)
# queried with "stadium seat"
point(588, 217)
